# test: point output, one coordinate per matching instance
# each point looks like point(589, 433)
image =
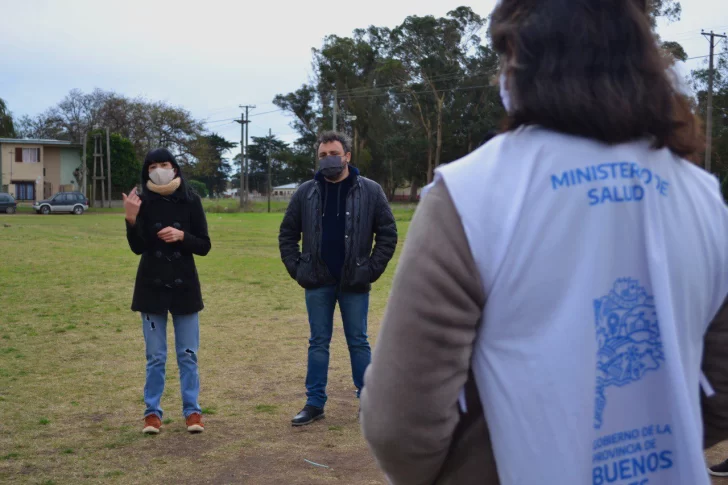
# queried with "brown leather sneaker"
point(194, 423)
point(152, 424)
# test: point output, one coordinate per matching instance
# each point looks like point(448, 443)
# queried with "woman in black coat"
point(166, 225)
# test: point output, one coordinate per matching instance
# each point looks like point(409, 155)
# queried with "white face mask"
point(504, 94)
point(162, 176)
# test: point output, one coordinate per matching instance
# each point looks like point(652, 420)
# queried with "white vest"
point(602, 266)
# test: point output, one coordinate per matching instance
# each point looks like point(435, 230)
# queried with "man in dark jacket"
point(338, 215)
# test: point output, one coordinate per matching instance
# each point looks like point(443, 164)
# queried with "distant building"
point(32, 170)
point(285, 190)
point(402, 194)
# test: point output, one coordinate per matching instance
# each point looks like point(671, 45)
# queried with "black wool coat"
point(167, 279)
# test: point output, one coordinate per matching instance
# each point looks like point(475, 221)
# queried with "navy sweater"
point(333, 245)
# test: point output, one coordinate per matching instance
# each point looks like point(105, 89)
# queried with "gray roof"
point(286, 187)
point(32, 141)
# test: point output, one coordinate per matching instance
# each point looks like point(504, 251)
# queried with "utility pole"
point(84, 166)
point(247, 166)
point(270, 184)
point(244, 179)
point(336, 107)
point(242, 122)
point(98, 176)
point(349, 119)
point(711, 73)
point(108, 161)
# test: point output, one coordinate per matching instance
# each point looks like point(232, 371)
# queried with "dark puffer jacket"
point(167, 277)
point(368, 213)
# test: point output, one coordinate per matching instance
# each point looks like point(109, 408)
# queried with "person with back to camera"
point(559, 311)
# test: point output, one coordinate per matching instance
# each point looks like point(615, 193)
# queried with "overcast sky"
point(211, 56)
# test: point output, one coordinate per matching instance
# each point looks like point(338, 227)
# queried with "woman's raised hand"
point(132, 203)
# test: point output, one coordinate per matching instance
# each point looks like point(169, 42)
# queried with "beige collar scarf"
point(165, 190)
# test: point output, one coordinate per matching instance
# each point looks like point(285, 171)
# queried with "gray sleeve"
point(715, 369)
point(423, 352)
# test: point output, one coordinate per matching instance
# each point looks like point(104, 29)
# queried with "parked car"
point(74, 202)
point(7, 204)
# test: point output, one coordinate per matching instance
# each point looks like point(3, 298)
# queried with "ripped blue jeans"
point(186, 342)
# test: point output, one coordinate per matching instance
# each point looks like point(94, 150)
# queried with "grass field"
point(72, 363)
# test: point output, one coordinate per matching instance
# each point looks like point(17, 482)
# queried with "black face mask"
point(331, 167)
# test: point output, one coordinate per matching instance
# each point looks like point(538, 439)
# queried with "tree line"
point(423, 93)
point(411, 97)
point(137, 125)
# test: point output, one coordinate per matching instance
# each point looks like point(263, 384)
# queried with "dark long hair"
point(591, 68)
point(161, 155)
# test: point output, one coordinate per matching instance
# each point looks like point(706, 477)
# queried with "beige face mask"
point(162, 176)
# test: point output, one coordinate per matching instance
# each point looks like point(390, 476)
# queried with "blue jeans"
point(186, 342)
point(354, 307)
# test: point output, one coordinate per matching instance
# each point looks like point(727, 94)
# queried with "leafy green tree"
point(432, 51)
point(125, 166)
point(414, 96)
point(262, 150)
point(7, 127)
point(147, 124)
point(667, 9)
point(209, 164)
point(288, 164)
point(676, 50)
point(199, 187)
point(302, 104)
point(719, 152)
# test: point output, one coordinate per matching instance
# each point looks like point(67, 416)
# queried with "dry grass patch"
point(72, 364)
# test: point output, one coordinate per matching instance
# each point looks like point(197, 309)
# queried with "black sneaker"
point(308, 415)
point(719, 470)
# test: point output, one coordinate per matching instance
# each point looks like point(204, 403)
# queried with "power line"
point(374, 91)
point(363, 92)
point(363, 89)
point(217, 127)
point(386, 92)
point(424, 91)
point(693, 32)
point(267, 112)
point(218, 121)
point(441, 78)
point(703, 57)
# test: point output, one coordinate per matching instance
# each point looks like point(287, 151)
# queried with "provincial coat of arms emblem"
point(628, 339)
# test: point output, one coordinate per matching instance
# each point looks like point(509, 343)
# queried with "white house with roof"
point(285, 191)
point(33, 169)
